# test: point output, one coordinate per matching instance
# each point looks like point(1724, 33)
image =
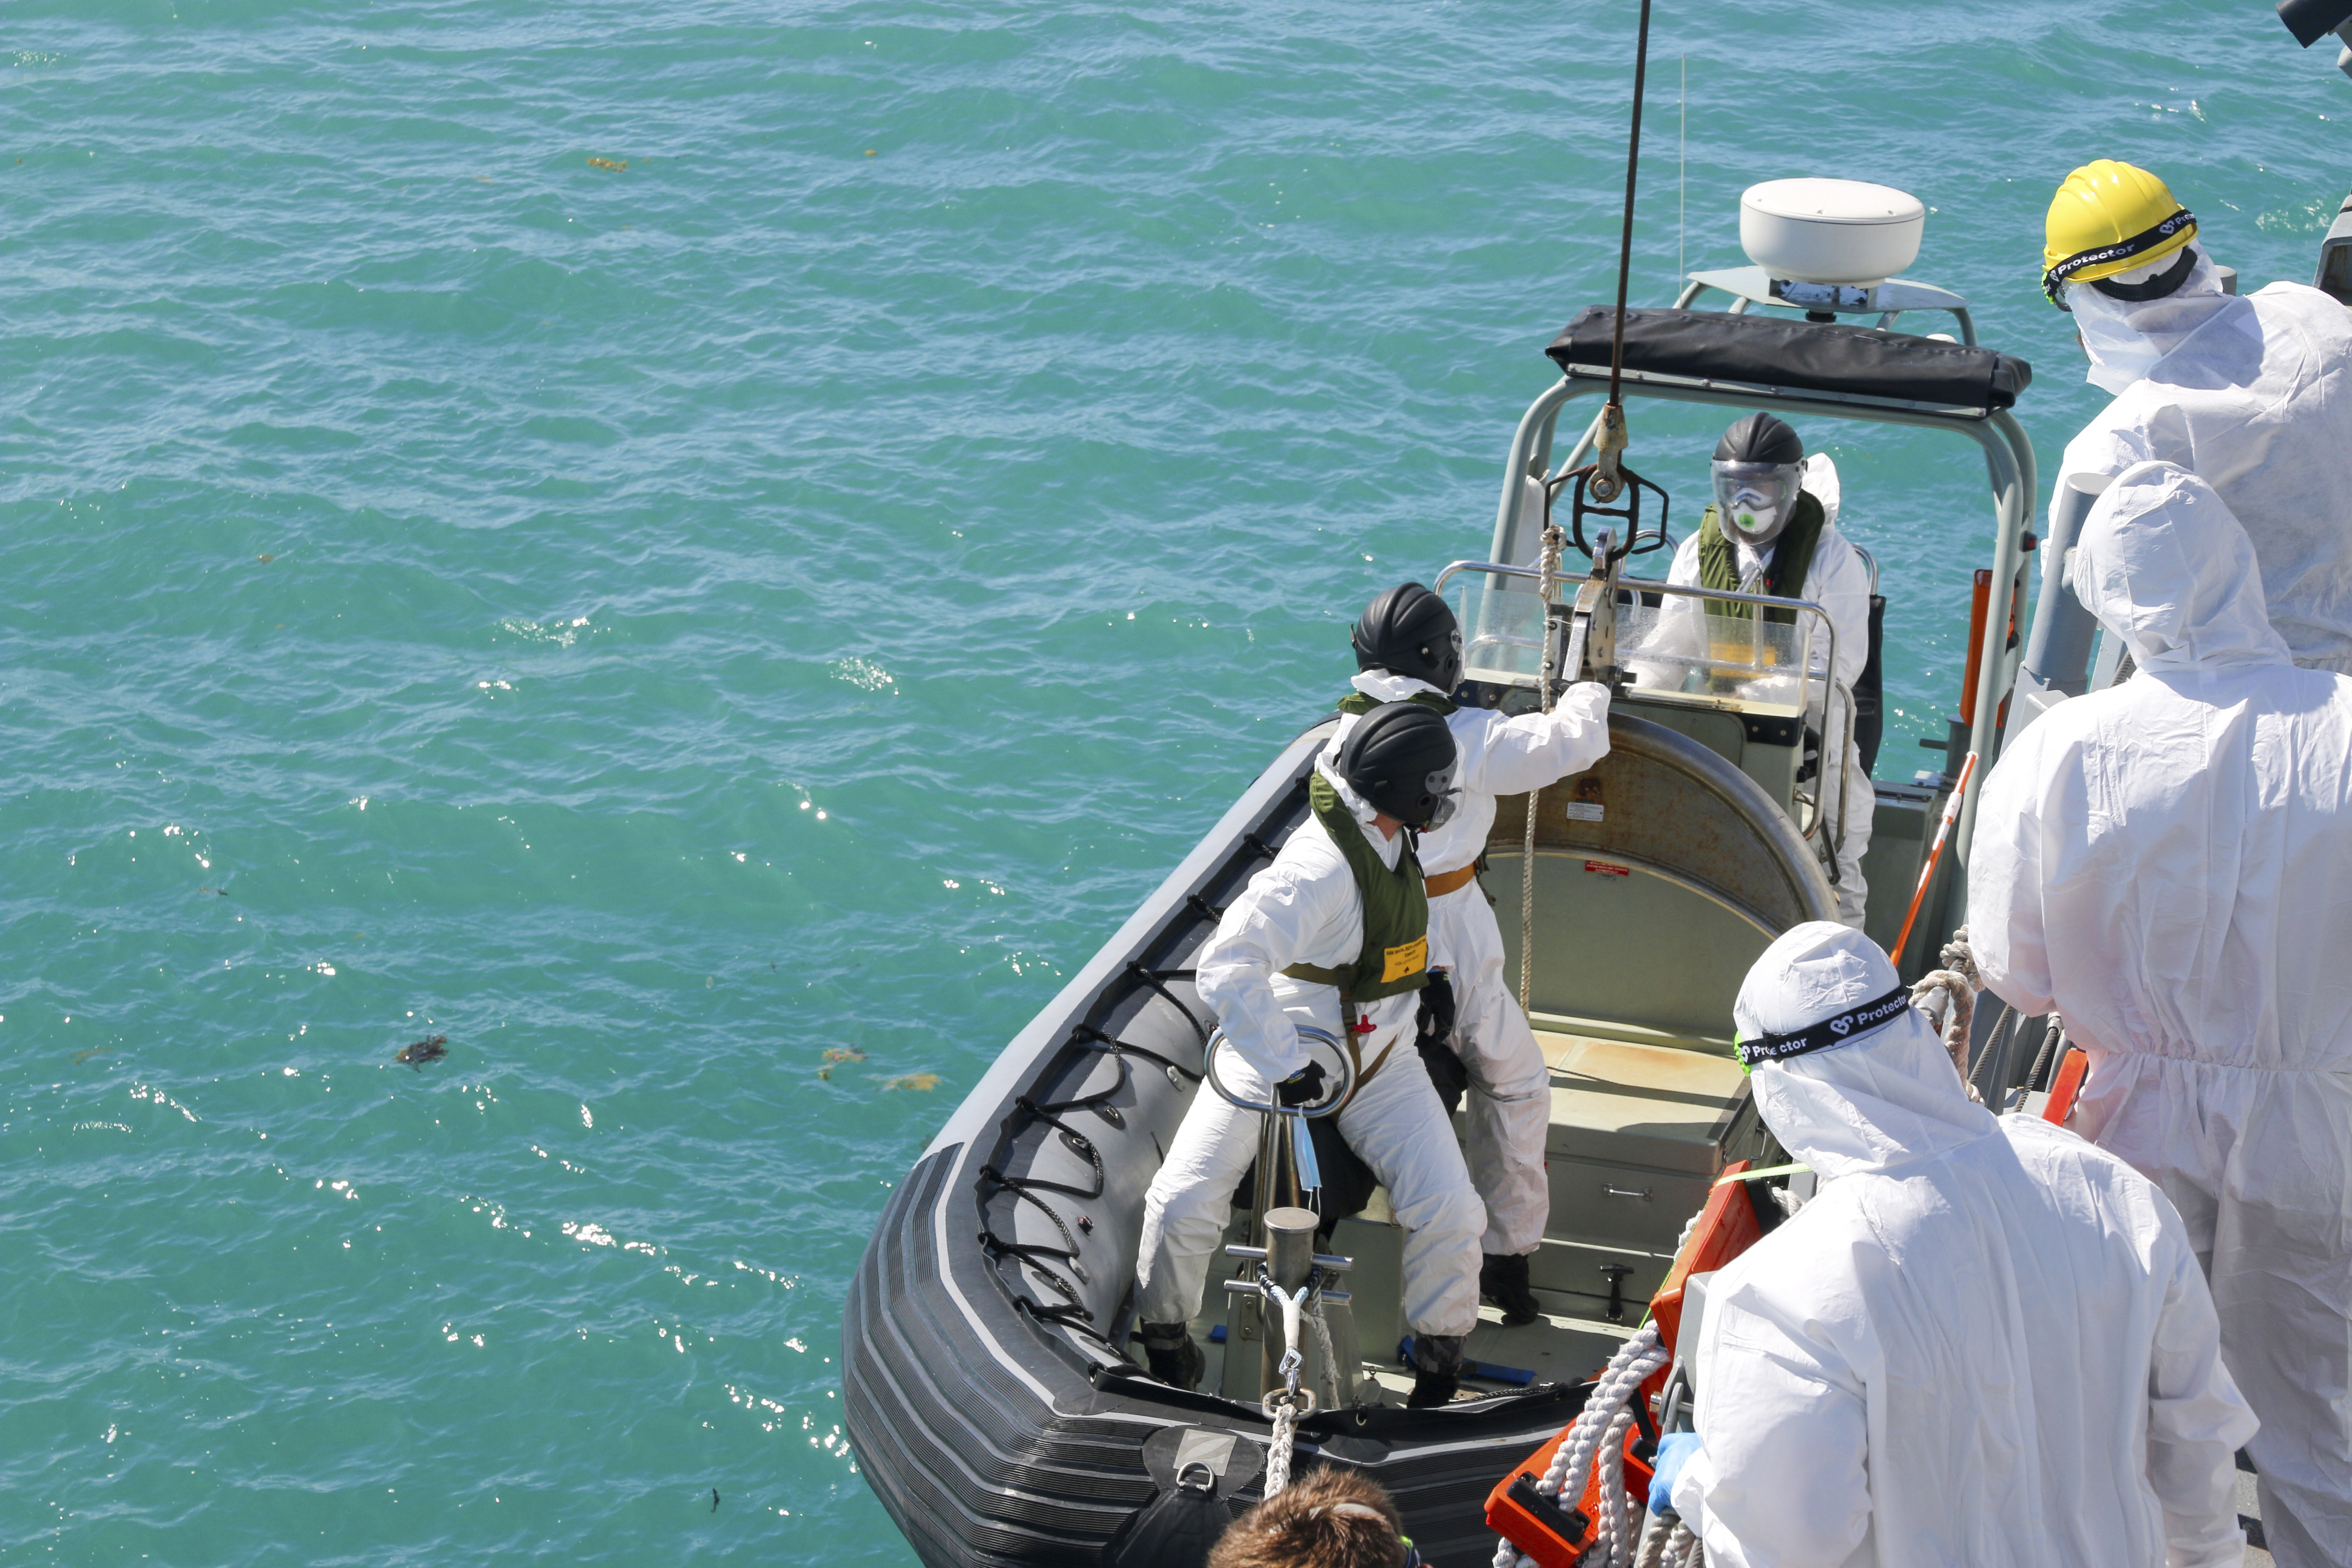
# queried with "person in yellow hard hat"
point(2253, 396)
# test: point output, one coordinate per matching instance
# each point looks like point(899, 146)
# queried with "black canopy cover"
point(1802, 357)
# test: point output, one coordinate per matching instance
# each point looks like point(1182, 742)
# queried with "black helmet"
point(1410, 631)
point(1760, 438)
point(1399, 758)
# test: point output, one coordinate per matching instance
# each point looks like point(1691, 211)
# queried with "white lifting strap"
point(1547, 583)
point(1284, 1405)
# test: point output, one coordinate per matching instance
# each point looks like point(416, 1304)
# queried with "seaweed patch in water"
point(417, 1053)
point(915, 1080)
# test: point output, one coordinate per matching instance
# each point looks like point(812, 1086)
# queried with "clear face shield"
point(1754, 501)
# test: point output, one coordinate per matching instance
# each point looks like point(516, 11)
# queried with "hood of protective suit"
point(1821, 481)
point(1326, 760)
point(1382, 687)
point(1884, 1099)
point(2126, 339)
point(2164, 566)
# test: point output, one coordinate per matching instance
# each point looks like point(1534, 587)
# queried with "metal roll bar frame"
point(1647, 586)
point(2009, 463)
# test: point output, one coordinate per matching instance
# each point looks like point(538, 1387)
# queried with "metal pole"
point(1289, 1238)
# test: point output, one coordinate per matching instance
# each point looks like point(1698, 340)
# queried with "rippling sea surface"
point(710, 554)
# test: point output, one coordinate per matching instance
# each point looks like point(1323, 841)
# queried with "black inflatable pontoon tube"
point(2312, 20)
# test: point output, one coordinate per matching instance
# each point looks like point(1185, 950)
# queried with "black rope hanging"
point(1607, 481)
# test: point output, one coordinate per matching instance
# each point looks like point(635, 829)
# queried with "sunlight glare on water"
point(710, 554)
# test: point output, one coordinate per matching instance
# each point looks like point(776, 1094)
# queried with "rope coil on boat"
point(1601, 1427)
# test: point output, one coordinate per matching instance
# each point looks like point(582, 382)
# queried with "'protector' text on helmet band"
point(1830, 1033)
point(2138, 244)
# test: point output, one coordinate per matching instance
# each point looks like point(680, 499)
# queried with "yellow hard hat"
point(2109, 217)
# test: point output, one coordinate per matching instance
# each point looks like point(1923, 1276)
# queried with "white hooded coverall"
point(1509, 1104)
point(1839, 582)
point(1304, 909)
point(1984, 1342)
point(2255, 396)
point(2169, 865)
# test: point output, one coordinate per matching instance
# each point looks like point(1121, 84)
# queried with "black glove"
point(1434, 1018)
point(1304, 1086)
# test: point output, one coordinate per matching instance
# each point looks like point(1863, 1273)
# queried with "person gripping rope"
point(1981, 1342)
point(1773, 529)
point(2253, 396)
point(2167, 865)
point(1409, 648)
point(1333, 933)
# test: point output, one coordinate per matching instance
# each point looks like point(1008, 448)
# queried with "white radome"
point(1830, 231)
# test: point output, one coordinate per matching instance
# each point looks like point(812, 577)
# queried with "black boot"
point(1436, 1370)
point(1504, 1281)
point(1175, 1358)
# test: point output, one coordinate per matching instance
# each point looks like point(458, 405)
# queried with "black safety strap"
point(2053, 281)
point(1830, 1033)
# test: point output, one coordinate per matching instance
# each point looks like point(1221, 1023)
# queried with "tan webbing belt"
point(1452, 881)
point(1365, 1075)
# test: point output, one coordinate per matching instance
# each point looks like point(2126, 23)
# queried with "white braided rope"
point(1546, 583)
point(1657, 1535)
point(1616, 1538)
point(1315, 1320)
point(1277, 1452)
point(1949, 996)
point(1635, 1360)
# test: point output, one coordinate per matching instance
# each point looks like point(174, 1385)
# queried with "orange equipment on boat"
point(2066, 1084)
point(1556, 1536)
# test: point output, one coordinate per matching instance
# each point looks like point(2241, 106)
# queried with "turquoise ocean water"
point(788, 594)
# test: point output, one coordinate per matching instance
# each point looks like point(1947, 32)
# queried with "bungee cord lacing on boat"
point(1072, 1311)
point(1086, 1038)
point(1156, 979)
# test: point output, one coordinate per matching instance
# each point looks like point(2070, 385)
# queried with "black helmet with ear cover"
point(1410, 631)
point(1760, 438)
point(1400, 757)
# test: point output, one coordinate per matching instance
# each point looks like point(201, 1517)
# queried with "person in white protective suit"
point(2167, 865)
point(1984, 1341)
point(1333, 933)
point(1409, 648)
point(2252, 394)
point(1773, 530)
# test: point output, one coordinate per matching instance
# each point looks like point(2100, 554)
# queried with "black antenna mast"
point(1607, 482)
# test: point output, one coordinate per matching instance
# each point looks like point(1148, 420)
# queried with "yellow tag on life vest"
point(1410, 958)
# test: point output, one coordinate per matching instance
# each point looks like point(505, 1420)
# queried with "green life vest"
point(1719, 562)
point(1394, 957)
point(1356, 702)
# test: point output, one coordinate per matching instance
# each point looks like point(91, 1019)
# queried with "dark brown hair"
point(1308, 1527)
